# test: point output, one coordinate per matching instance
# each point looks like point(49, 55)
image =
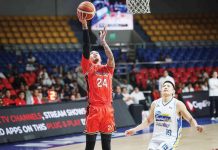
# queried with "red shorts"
point(100, 119)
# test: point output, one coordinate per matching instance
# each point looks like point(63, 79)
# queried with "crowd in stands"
point(133, 96)
point(37, 85)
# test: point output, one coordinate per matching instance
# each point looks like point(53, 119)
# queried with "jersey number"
point(101, 82)
point(168, 132)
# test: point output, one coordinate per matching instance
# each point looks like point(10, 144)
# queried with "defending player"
point(100, 113)
point(166, 113)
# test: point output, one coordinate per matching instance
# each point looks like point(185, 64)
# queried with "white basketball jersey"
point(167, 123)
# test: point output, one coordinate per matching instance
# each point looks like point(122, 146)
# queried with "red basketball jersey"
point(99, 82)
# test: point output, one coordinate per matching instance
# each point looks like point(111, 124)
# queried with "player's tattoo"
point(108, 53)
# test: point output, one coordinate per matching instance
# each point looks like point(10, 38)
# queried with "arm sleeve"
point(85, 63)
point(86, 44)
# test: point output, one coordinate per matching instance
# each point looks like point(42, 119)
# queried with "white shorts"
point(157, 145)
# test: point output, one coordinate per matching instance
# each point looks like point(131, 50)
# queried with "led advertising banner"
point(197, 103)
point(113, 14)
point(39, 121)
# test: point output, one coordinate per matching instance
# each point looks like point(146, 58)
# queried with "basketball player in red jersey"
point(100, 113)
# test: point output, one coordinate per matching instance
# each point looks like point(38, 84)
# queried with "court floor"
point(191, 140)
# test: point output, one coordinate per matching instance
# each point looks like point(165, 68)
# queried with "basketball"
point(86, 10)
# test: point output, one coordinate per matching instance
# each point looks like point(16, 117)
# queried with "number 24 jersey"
point(99, 82)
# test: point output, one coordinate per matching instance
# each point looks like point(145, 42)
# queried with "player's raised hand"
point(102, 35)
point(199, 128)
point(83, 21)
point(130, 132)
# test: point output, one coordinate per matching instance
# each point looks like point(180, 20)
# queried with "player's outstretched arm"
point(86, 39)
point(144, 124)
point(108, 52)
point(188, 117)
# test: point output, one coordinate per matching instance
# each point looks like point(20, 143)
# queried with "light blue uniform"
point(167, 126)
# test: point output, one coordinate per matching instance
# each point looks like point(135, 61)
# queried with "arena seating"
point(36, 30)
point(48, 58)
point(181, 74)
point(178, 54)
point(179, 27)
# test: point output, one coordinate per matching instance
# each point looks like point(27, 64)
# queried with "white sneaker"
point(213, 118)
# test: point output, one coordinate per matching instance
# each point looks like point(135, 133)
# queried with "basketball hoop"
point(138, 6)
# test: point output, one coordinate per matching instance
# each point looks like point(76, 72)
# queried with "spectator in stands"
point(58, 88)
point(75, 95)
point(46, 81)
point(135, 70)
point(7, 100)
point(128, 99)
point(188, 88)
point(74, 85)
point(118, 93)
point(22, 88)
point(180, 88)
point(28, 94)
point(68, 78)
point(18, 81)
point(168, 58)
point(213, 95)
point(151, 83)
point(128, 86)
point(155, 93)
point(42, 72)
point(197, 87)
point(137, 95)
point(44, 91)
point(55, 72)
point(204, 86)
point(53, 79)
point(205, 76)
point(164, 78)
point(37, 98)
point(20, 100)
point(66, 91)
point(31, 60)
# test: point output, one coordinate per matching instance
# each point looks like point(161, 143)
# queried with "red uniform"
point(100, 113)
